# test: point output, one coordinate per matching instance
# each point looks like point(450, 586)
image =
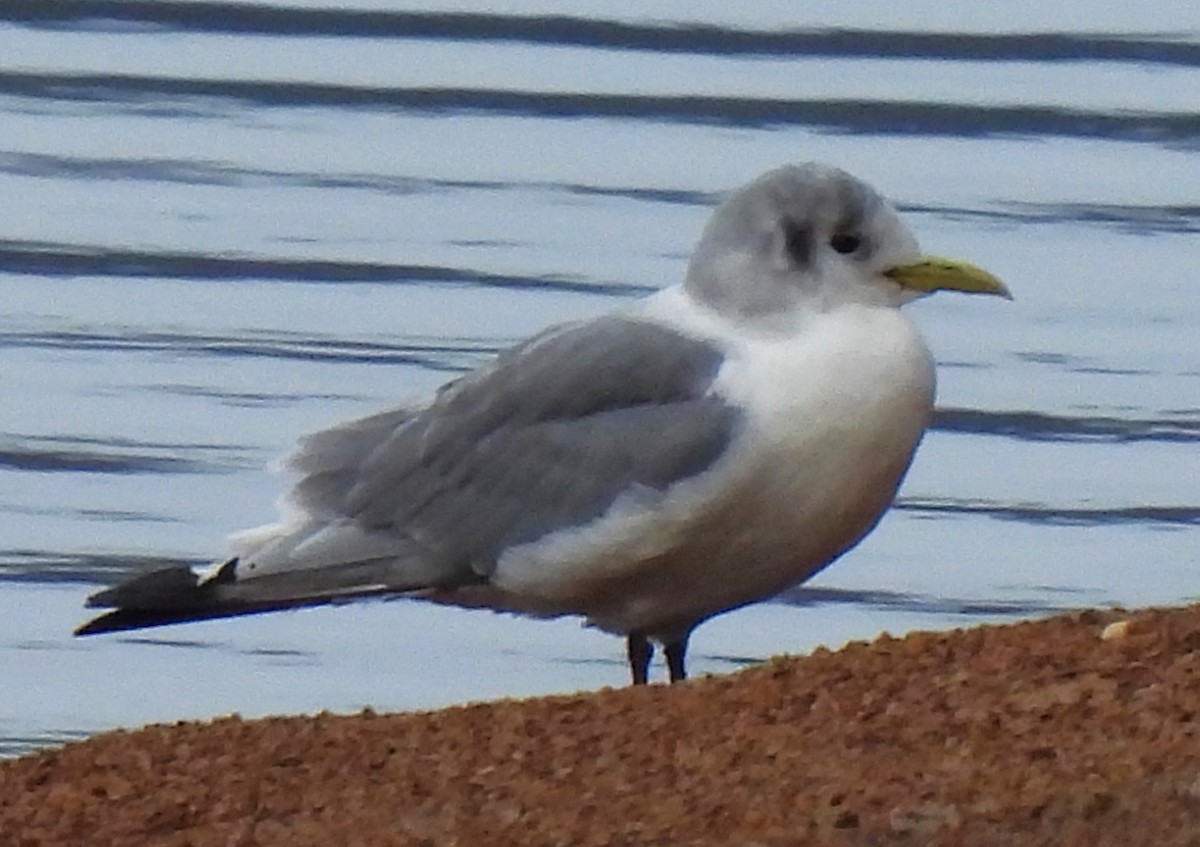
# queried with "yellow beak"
point(933, 273)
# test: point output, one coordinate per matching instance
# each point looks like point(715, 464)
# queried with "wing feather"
point(546, 437)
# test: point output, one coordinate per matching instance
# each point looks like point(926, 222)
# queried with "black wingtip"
point(163, 586)
point(110, 622)
point(164, 595)
point(122, 620)
point(175, 594)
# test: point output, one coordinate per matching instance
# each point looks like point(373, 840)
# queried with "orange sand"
point(1065, 731)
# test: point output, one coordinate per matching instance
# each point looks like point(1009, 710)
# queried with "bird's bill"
point(934, 273)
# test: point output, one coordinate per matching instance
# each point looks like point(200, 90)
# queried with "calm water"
point(224, 225)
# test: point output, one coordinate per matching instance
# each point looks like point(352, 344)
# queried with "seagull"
point(701, 450)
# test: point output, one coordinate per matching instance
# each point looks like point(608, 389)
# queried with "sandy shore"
point(1078, 730)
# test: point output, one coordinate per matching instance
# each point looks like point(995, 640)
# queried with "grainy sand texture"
point(1077, 730)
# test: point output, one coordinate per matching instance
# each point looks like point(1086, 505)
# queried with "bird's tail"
point(177, 593)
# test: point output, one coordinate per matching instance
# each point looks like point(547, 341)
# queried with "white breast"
point(834, 415)
point(855, 386)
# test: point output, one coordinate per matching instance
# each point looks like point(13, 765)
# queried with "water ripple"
point(1036, 513)
point(449, 355)
point(1138, 219)
point(924, 603)
point(19, 744)
point(1040, 426)
point(1135, 219)
point(565, 30)
point(204, 172)
point(17, 565)
point(195, 97)
point(66, 454)
point(42, 259)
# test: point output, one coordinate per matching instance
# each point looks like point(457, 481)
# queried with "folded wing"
point(545, 438)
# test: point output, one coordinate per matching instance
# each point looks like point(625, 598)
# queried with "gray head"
point(806, 236)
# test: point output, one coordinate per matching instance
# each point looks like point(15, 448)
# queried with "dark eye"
point(844, 242)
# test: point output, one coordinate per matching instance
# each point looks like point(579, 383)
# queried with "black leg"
point(640, 651)
point(676, 652)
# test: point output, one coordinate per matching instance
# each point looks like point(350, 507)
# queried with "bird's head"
point(805, 237)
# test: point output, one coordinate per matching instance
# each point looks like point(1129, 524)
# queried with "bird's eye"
point(844, 242)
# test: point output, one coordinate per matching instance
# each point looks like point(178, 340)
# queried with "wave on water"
point(1137, 219)
point(44, 259)
point(1036, 513)
point(1043, 426)
point(570, 31)
point(81, 454)
point(200, 172)
point(90, 568)
point(1134, 219)
point(805, 595)
point(450, 355)
point(198, 98)
point(13, 745)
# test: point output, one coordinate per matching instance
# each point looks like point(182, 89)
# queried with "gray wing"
point(545, 438)
point(331, 460)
